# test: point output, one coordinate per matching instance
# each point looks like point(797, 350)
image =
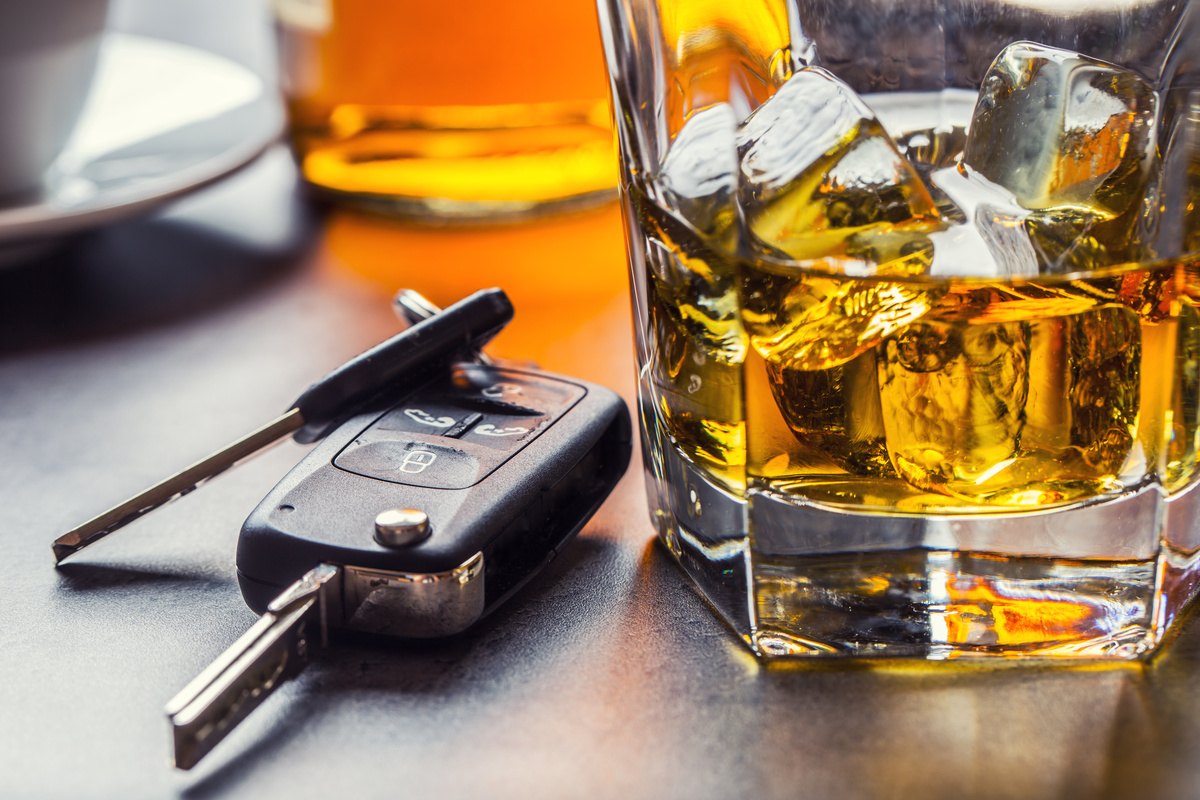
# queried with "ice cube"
point(834, 415)
point(810, 321)
point(697, 344)
point(821, 178)
point(1057, 128)
point(992, 240)
point(933, 148)
point(998, 237)
point(695, 391)
point(1104, 349)
point(698, 282)
point(699, 176)
point(953, 399)
point(697, 181)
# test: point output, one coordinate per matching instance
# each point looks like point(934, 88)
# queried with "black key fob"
point(441, 505)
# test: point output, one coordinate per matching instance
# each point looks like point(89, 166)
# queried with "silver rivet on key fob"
point(400, 527)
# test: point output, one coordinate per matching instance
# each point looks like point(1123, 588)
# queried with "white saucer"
point(162, 119)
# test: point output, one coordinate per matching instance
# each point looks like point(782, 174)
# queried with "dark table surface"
point(143, 347)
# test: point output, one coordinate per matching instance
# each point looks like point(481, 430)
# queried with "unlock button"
point(411, 463)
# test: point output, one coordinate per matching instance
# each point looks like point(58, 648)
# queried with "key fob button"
point(412, 463)
point(514, 394)
point(503, 432)
point(422, 417)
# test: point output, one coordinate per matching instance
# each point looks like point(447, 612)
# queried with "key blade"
point(175, 486)
point(464, 326)
point(276, 652)
point(413, 307)
point(273, 651)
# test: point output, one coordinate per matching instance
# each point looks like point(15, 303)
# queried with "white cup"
point(48, 52)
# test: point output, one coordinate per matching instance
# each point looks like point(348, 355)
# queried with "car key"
point(412, 520)
point(435, 340)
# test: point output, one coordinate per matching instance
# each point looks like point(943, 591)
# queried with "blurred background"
point(157, 258)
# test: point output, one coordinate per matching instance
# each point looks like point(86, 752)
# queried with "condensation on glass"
point(915, 287)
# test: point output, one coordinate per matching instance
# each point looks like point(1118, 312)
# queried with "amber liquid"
point(917, 394)
point(470, 109)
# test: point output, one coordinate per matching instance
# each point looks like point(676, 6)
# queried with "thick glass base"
point(942, 604)
point(1103, 580)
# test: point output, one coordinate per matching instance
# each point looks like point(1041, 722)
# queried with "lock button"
point(411, 462)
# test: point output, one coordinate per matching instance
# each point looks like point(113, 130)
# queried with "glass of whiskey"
point(476, 111)
point(915, 290)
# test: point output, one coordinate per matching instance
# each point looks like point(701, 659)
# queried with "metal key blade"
point(276, 649)
point(433, 339)
point(175, 486)
point(413, 307)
